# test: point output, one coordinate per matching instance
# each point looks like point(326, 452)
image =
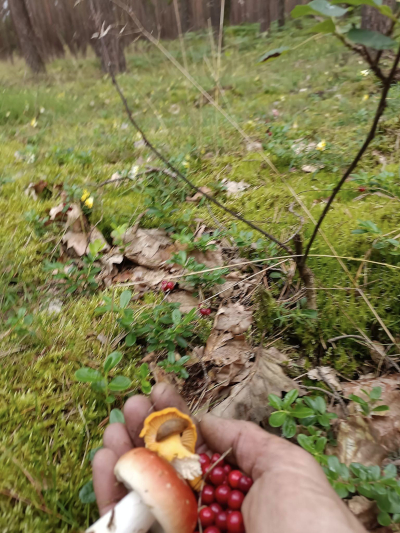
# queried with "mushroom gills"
point(170, 427)
point(131, 515)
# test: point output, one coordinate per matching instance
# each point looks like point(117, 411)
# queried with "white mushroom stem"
point(130, 515)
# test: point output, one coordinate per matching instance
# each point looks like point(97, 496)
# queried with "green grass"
point(49, 421)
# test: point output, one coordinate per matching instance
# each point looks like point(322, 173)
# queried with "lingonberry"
point(207, 517)
point(215, 457)
point(205, 462)
point(245, 483)
point(212, 529)
point(227, 469)
point(216, 508)
point(217, 475)
point(362, 189)
point(234, 478)
point(235, 522)
point(208, 495)
point(170, 285)
point(235, 500)
point(221, 520)
point(205, 311)
point(222, 494)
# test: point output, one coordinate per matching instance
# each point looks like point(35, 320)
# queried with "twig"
point(184, 178)
point(318, 389)
point(370, 137)
point(335, 393)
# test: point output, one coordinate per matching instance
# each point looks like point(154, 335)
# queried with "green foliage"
point(392, 246)
point(144, 374)
point(205, 280)
point(371, 39)
point(82, 280)
point(171, 365)
point(368, 406)
point(204, 243)
point(99, 380)
point(38, 223)
point(20, 323)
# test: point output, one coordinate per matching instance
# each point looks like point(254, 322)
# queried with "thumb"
point(253, 449)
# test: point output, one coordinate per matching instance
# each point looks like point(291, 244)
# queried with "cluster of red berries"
point(167, 285)
point(223, 496)
point(205, 311)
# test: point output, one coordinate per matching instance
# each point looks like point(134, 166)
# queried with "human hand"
point(290, 493)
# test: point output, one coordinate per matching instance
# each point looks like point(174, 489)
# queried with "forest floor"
point(307, 112)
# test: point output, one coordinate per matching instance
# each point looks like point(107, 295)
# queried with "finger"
point(164, 395)
point(107, 489)
point(253, 449)
point(136, 410)
point(117, 439)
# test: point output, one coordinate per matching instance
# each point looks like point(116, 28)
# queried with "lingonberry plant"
point(204, 280)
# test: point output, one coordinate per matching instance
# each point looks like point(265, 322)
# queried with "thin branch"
point(181, 176)
point(370, 137)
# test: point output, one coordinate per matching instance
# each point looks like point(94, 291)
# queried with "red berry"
point(170, 285)
point(235, 522)
point(234, 478)
point(221, 521)
point(207, 517)
point(212, 529)
point(164, 285)
point(245, 483)
point(215, 457)
point(205, 311)
point(270, 133)
point(216, 508)
point(217, 475)
point(208, 495)
point(227, 469)
point(362, 189)
point(222, 494)
point(235, 499)
point(225, 482)
point(205, 462)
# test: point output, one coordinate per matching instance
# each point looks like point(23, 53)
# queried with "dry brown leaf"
point(358, 442)
point(327, 374)
point(225, 290)
point(211, 258)
point(309, 168)
point(57, 212)
point(249, 400)
point(187, 301)
point(234, 318)
point(160, 376)
point(386, 424)
point(34, 190)
point(79, 241)
point(254, 146)
point(198, 196)
point(234, 188)
point(76, 220)
point(366, 511)
point(148, 247)
point(216, 341)
point(377, 352)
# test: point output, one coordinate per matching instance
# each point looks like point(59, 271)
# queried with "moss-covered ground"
point(68, 127)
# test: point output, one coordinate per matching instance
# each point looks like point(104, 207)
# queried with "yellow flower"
point(85, 195)
point(365, 97)
point(364, 73)
point(89, 202)
point(34, 123)
point(321, 145)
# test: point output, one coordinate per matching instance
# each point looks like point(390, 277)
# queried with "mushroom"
point(173, 436)
point(158, 495)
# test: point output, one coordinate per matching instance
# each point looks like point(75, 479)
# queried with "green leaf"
point(117, 415)
point(124, 299)
point(112, 360)
point(88, 375)
point(277, 419)
point(144, 370)
point(130, 339)
point(387, 12)
point(324, 420)
point(176, 316)
point(119, 383)
point(300, 411)
point(370, 39)
point(181, 341)
point(390, 471)
point(381, 408)
point(341, 489)
point(320, 444)
point(110, 399)
point(359, 470)
point(376, 393)
point(145, 386)
point(86, 494)
point(374, 472)
point(290, 397)
point(334, 464)
point(306, 443)
point(275, 401)
point(301, 11)
point(320, 404)
point(326, 8)
point(273, 54)
point(99, 386)
point(289, 428)
point(327, 26)
point(371, 3)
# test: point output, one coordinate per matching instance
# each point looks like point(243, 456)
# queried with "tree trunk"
point(109, 47)
point(26, 36)
point(265, 15)
point(281, 13)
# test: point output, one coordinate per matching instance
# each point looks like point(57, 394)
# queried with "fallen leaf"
point(55, 306)
point(254, 146)
point(249, 400)
point(79, 242)
point(57, 212)
point(160, 376)
point(211, 258)
point(234, 318)
point(327, 374)
point(225, 290)
point(234, 188)
point(109, 261)
point(187, 301)
point(198, 196)
point(34, 190)
point(364, 510)
point(76, 220)
point(148, 247)
point(309, 168)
